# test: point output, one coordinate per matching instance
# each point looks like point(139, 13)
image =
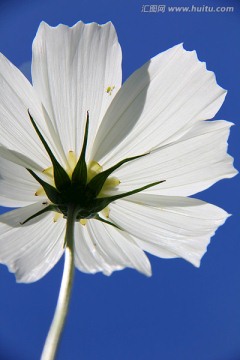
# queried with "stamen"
point(111, 182)
point(94, 168)
point(72, 161)
point(83, 222)
point(40, 192)
point(57, 216)
point(48, 171)
point(106, 212)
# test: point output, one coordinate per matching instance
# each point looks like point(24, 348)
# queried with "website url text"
point(186, 9)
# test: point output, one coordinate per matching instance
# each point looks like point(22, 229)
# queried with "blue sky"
point(180, 312)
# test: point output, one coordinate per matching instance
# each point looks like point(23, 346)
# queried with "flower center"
point(93, 169)
point(79, 186)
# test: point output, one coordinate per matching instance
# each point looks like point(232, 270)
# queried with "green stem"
point(55, 331)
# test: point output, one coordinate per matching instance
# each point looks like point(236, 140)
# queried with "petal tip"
point(148, 273)
point(203, 63)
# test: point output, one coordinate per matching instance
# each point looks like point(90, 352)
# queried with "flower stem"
point(55, 331)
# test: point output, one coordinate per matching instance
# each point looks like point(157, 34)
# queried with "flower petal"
point(118, 247)
point(32, 249)
point(76, 70)
point(17, 96)
point(104, 248)
point(17, 185)
point(189, 165)
point(87, 258)
point(177, 227)
point(157, 105)
point(19, 159)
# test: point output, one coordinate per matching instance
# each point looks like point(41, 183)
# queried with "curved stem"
point(55, 331)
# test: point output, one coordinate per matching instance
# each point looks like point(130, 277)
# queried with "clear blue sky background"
point(180, 313)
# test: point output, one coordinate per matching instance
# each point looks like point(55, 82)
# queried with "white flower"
point(158, 113)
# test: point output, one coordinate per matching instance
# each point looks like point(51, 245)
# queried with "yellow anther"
point(106, 212)
point(57, 216)
point(95, 166)
point(109, 184)
point(40, 192)
point(48, 171)
point(112, 182)
point(93, 169)
point(110, 89)
point(83, 222)
point(72, 160)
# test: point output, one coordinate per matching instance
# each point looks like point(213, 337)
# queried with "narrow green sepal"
point(50, 191)
point(79, 174)
point(96, 184)
point(46, 209)
point(101, 203)
point(97, 217)
point(61, 177)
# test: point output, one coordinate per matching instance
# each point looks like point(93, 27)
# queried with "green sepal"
point(101, 203)
point(96, 184)
point(61, 177)
point(97, 217)
point(50, 191)
point(79, 174)
point(46, 209)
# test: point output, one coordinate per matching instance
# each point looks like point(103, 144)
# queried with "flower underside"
point(81, 187)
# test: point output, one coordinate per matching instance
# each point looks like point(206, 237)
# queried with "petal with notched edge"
point(174, 228)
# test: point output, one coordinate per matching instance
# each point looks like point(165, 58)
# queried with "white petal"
point(25, 68)
point(20, 159)
point(32, 249)
point(159, 102)
point(17, 133)
point(100, 247)
point(72, 69)
point(188, 166)
point(182, 228)
point(17, 186)
point(118, 247)
point(87, 258)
